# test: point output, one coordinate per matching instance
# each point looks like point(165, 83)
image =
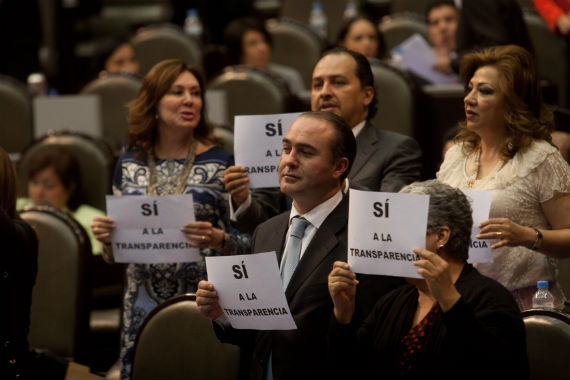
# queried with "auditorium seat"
point(417, 7)
point(225, 138)
point(114, 91)
point(548, 343)
point(157, 42)
point(551, 55)
point(177, 342)
point(395, 29)
point(95, 158)
point(249, 92)
point(295, 45)
point(397, 93)
point(16, 122)
point(59, 312)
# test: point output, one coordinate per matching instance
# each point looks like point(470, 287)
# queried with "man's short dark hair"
point(363, 73)
point(439, 3)
point(345, 142)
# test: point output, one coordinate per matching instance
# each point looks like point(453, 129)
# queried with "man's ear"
point(341, 166)
point(368, 95)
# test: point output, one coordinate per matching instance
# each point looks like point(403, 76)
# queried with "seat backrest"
point(114, 91)
point(96, 161)
point(16, 117)
point(417, 7)
point(301, 9)
point(59, 313)
point(225, 138)
point(548, 343)
point(551, 55)
point(396, 29)
point(396, 93)
point(295, 45)
point(177, 342)
point(249, 92)
point(155, 43)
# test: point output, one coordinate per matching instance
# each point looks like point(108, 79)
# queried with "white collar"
point(358, 127)
point(320, 212)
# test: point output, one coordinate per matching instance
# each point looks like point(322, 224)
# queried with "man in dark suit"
point(343, 84)
point(318, 151)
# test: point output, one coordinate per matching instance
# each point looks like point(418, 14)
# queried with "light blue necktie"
point(290, 261)
point(293, 252)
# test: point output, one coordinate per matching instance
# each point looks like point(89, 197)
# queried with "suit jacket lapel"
point(366, 140)
point(323, 242)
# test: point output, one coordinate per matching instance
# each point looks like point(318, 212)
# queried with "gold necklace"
point(182, 179)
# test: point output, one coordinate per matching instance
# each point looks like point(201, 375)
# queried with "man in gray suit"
point(318, 151)
point(343, 84)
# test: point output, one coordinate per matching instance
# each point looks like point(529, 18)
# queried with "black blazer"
point(302, 353)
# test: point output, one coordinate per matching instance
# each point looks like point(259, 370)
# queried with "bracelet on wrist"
point(538, 240)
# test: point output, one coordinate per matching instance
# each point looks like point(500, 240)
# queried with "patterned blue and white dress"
point(150, 284)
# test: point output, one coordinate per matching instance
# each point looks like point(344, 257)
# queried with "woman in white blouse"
point(505, 146)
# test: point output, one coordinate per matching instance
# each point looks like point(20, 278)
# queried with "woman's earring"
point(439, 247)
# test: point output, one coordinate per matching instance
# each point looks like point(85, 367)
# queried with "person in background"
point(170, 151)
point(442, 18)
point(54, 179)
point(343, 84)
point(452, 322)
point(248, 43)
point(361, 35)
point(556, 13)
point(119, 57)
point(504, 146)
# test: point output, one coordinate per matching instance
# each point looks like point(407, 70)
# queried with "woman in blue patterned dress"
point(170, 151)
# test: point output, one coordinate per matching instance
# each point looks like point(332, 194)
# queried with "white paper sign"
point(420, 58)
point(250, 291)
point(257, 145)
point(480, 249)
point(147, 228)
point(383, 228)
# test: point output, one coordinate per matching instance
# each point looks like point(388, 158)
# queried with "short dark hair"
point(66, 167)
point(345, 142)
point(439, 3)
point(363, 73)
point(233, 37)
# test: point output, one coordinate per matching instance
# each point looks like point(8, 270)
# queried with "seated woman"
point(452, 322)
point(118, 57)
point(55, 179)
point(359, 34)
point(248, 43)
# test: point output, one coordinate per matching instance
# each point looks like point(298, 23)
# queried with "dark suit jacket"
point(485, 23)
point(302, 353)
point(385, 161)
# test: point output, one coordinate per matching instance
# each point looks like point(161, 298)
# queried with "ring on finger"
point(203, 237)
point(499, 234)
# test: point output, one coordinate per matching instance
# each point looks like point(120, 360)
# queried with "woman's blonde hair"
point(526, 118)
